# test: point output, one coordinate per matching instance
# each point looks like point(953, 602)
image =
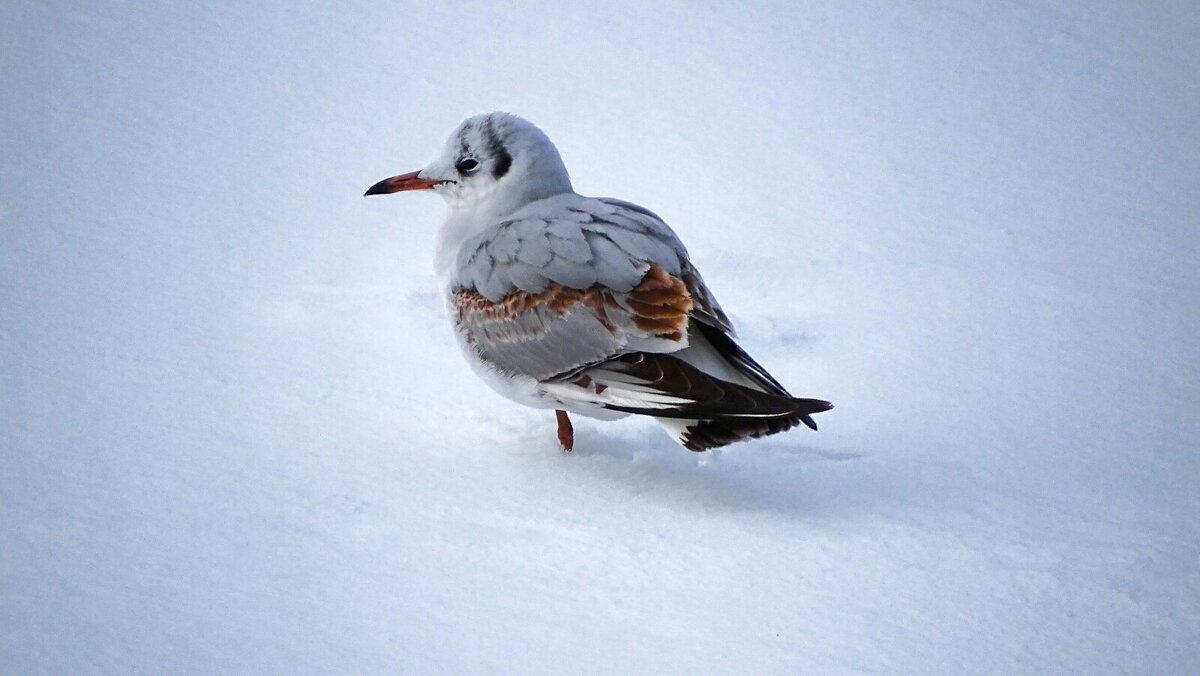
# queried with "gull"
point(585, 305)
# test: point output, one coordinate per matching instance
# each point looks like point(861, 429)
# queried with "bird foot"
point(566, 433)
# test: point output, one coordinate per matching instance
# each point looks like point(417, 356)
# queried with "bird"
point(585, 305)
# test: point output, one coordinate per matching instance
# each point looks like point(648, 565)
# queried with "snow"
point(236, 437)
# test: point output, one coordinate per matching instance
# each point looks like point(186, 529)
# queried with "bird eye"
point(467, 165)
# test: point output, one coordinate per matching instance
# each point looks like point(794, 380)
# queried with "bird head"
point(496, 163)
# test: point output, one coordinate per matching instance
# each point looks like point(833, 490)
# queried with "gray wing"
point(572, 281)
point(576, 243)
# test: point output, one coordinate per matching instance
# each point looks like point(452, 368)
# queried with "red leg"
point(566, 433)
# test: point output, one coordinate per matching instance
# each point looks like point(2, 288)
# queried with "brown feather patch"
point(558, 298)
point(659, 304)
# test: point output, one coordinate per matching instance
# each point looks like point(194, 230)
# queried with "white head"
point(494, 163)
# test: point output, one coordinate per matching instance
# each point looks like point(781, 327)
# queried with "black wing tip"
point(806, 407)
point(811, 406)
point(808, 421)
point(726, 412)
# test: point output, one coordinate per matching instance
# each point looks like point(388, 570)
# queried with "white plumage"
point(583, 304)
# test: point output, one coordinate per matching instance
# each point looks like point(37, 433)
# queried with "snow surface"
point(235, 435)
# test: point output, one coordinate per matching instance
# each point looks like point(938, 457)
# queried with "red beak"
point(399, 183)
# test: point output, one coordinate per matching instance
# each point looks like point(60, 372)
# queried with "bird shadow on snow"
point(779, 475)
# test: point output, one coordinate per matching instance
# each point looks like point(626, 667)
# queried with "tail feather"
point(702, 435)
